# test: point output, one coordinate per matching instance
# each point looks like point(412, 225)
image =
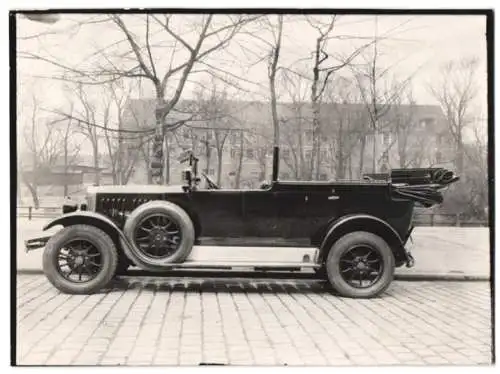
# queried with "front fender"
point(364, 222)
point(81, 217)
point(108, 226)
point(93, 219)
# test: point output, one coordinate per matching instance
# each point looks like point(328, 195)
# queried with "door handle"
point(333, 197)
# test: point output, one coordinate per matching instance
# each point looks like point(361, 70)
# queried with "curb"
point(416, 277)
point(451, 277)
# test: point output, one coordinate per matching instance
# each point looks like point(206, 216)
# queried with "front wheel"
point(80, 259)
point(360, 265)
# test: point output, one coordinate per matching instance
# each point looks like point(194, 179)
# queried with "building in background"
point(240, 134)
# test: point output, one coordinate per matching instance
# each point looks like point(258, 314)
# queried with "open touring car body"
point(282, 225)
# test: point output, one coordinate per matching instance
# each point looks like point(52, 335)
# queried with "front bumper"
point(35, 243)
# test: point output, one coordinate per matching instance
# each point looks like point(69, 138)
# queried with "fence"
point(444, 219)
point(42, 212)
point(420, 219)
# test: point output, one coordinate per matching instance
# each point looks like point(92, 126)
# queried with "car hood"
point(135, 188)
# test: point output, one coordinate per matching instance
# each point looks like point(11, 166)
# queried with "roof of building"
point(139, 113)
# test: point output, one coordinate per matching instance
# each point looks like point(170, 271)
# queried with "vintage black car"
point(352, 233)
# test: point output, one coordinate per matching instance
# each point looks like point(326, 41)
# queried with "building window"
point(324, 155)
point(286, 153)
point(309, 135)
point(234, 153)
point(250, 153)
point(209, 135)
point(308, 154)
point(323, 177)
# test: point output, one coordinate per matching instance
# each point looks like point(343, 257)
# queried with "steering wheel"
point(210, 183)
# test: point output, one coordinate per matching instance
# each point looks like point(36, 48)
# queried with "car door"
point(220, 213)
point(287, 216)
point(303, 212)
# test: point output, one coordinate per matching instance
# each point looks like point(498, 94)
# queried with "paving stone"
point(416, 323)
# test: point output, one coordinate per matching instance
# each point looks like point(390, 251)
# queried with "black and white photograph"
point(252, 187)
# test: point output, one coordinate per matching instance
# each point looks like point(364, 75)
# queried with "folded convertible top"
point(421, 185)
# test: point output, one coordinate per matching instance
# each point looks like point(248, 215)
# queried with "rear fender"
point(364, 222)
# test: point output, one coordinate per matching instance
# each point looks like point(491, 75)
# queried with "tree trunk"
point(340, 172)
point(315, 135)
point(272, 85)
point(97, 176)
point(219, 165)
point(349, 166)
point(240, 163)
point(157, 153)
point(167, 159)
point(401, 151)
point(65, 187)
point(362, 155)
point(121, 172)
point(374, 161)
point(460, 154)
point(208, 154)
point(262, 162)
point(34, 194)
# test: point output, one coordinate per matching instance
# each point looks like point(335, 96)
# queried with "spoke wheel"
point(79, 260)
point(160, 233)
point(361, 266)
point(157, 236)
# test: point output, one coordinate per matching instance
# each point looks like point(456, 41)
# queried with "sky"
point(415, 46)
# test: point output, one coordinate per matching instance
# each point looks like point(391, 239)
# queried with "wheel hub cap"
point(79, 260)
point(158, 237)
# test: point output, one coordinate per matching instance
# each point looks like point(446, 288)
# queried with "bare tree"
point(211, 38)
point(239, 168)
point(272, 70)
point(456, 92)
point(89, 113)
point(346, 126)
point(296, 123)
point(122, 161)
point(325, 64)
point(45, 143)
point(214, 111)
point(205, 35)
point(70, 151)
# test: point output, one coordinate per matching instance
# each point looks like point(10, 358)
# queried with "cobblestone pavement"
point(158, 321)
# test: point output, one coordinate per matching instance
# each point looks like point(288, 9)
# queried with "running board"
point(261, 257)
point(258, 266)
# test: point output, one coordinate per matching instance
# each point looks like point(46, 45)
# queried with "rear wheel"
point(360, 265)
point(80, 259)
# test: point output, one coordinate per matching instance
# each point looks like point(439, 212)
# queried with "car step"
point(242, 265)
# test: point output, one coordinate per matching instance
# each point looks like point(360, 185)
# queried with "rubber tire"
point(174, 212)
point(98, 238)
point(346, 242)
